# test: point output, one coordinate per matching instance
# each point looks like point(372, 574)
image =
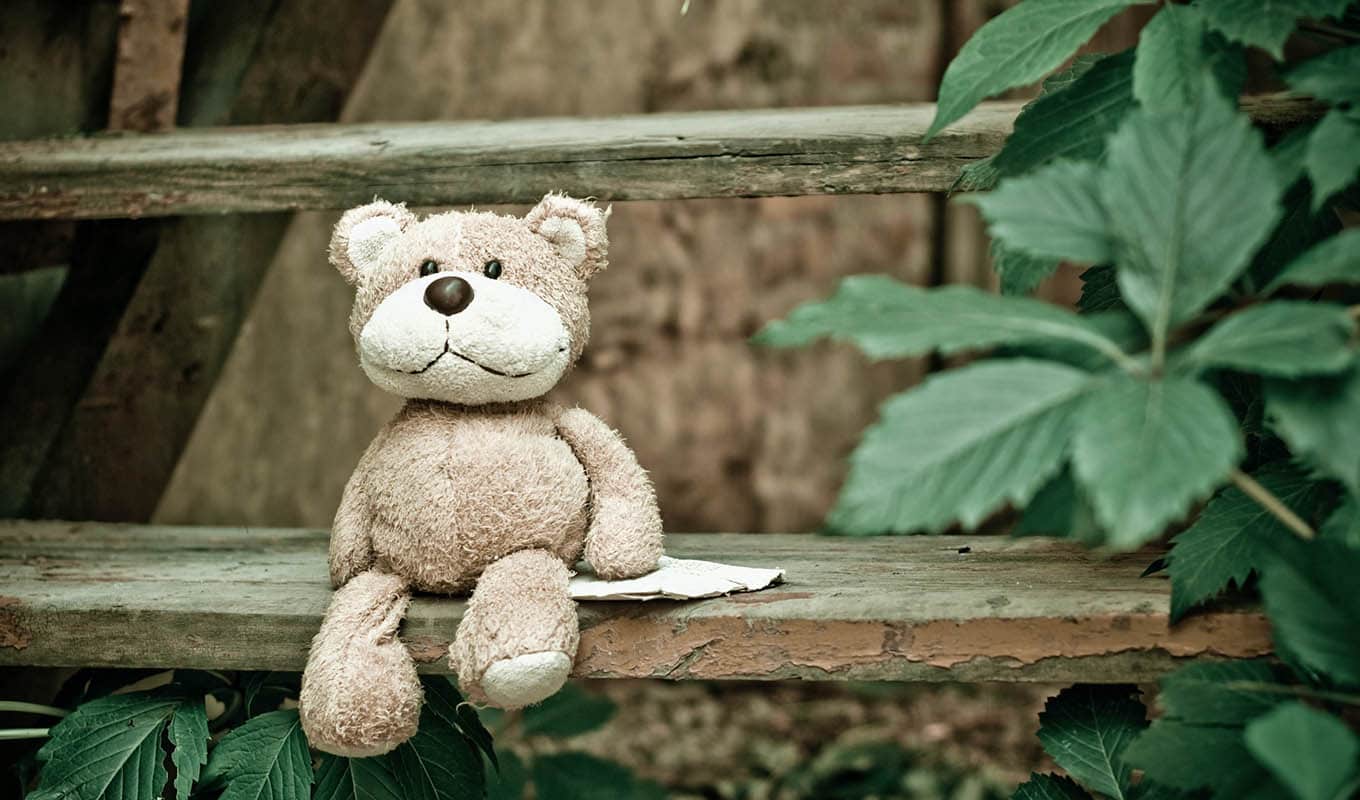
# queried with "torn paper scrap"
point(677, 579)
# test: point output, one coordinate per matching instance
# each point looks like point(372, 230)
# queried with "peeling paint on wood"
point(905, 608)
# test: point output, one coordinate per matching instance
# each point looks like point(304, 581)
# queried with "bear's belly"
point(471, 497)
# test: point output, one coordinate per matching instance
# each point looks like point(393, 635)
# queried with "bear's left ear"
point(576, 228)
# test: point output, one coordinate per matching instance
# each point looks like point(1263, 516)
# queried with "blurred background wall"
point(737, 438)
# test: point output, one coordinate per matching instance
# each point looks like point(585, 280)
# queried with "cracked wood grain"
point(909, 608)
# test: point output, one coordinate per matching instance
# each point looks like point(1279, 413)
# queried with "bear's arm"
point(624, 537)
point(351, 550)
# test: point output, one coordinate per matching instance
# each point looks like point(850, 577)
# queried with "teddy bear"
point(478, 484)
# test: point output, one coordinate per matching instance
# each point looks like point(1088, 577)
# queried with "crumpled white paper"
point(677, 579)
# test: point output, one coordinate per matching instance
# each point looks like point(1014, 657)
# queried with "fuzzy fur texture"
point(478, 483)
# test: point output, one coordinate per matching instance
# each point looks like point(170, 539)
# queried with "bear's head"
point(470, 307)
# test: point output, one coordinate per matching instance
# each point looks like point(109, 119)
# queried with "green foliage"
point(1242, 384)
point(355, 779)
point(1086, 729)
point(264, 759)
point(967, 459)
point(570, 712)
point(1050, 787)
point(577, 776)
point(1018, 47)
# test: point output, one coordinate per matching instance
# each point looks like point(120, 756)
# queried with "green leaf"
point(1220, 692)
point(1059, 509)
point(1053, 213)
point(1077, 112)
point(1189, 194)
point(1344, 524)
point(1234, 536)
point(1285, 338)
point(570, 712)
point(509, 781)
point(960, 447)
point(1311, 752)
point(109, 748)
point(1086, 728)
point(1298, 229)
point(1265, 23)
point(1174, 51)
point(1190, 757)
point(1333, 260)
point(1018, 47)
point(1120, 327)
point(355, 779)
point(886, 319)
point(264, 759)
point(1049, 787)
point(439, 762)
point(1330, 76)
point(1333, 156)
point(1099, 290)
point(189, 740)
point(1020, 273)
point(1144, 451)
point(577, 776)
point(1320, 419)
point(1309, 595)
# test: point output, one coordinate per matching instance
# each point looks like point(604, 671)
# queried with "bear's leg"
point(518, 637)
point(360, 694)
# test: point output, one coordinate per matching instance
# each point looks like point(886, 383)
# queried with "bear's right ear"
point(361, 235)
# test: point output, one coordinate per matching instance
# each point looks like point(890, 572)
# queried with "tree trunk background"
point(737, 438)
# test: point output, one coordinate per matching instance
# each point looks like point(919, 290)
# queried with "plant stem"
point(1271, 503)
point(1295, 691)
point(7, 734)
point(18, 707)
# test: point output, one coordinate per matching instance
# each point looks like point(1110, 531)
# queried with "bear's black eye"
point(428, 267)
point(492, 269)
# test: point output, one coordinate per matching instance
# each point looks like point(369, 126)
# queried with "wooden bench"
point(956, 608)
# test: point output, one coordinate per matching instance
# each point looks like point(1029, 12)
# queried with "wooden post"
point(147, 73)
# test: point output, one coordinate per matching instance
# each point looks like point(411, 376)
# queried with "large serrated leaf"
point(1284, 338)
point(1072, 119)
point(1190, 757)
point(1086, 728)
point(1320, 419)
point(888, 319)
point(1344, 524)
point(1265, 23)
point(1144, 451)
point(108, 749)
point(1333, 260)
point(1049, 787)
point(1018, 47)
point(1100, 290)
point(264, 759)
point(1220, 692)
point(1190, 194)
point(189, 740)
point(1020, 273)
point(1309, 594)
point(1174, 51)
point(1330, 76)
point(1234, 536)
point(570, 712)
point(1333, 155)
point(438, 763)
point(355, 779)
point(1054, 212)
point(960, 447)
point(1311, 752)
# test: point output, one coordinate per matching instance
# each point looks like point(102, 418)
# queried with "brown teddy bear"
point(478, 483)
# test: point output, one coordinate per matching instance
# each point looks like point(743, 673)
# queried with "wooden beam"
point(846, 150)
point(838, 150)
point(150, 56)
point(958, 608)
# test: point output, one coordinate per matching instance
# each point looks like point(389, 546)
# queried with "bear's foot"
point(360, 693)
point(518, 636)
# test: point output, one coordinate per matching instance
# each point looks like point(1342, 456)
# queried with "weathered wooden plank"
point(972, 608)
point(868, 149)
point(147, 73)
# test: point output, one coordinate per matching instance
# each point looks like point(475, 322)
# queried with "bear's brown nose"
point(448, 295)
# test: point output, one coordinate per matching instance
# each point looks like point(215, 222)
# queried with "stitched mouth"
point(449, 351)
